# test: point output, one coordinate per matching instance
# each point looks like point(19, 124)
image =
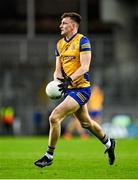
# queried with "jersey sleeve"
point(56, 51)
point(85, 44)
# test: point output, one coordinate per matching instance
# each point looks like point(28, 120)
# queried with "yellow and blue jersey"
point(68, 52)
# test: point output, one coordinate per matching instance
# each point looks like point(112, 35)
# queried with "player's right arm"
point(58, 72)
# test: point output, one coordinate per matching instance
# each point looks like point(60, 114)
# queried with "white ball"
point(52, 89)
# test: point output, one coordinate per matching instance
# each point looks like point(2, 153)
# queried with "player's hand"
point(65, 82)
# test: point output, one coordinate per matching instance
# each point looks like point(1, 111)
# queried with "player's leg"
point(67, 107)
point(81, 131)
point(83, 116)
point(86, 122)
point(75, 126)
point(96, 115)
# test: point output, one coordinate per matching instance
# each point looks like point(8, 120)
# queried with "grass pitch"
point(74, 159)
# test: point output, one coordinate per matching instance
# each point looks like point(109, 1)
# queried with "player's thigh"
point(65, 108)
point(82, 114)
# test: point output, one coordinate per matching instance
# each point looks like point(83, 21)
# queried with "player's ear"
point(76, 25)
point(73, 25)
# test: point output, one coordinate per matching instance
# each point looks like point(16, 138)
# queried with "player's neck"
point(69, 36)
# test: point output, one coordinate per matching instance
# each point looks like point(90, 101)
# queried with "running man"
point(73, 57)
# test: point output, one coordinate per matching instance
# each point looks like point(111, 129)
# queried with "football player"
point(73, 57)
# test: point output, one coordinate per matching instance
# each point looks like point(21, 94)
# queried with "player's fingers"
point(60, 85)
point(61, 79)
point(61, 89)
point(62, 92)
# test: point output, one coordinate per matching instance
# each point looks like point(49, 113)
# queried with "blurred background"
point(29, 30)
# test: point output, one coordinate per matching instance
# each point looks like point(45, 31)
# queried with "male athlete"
point(73, 57)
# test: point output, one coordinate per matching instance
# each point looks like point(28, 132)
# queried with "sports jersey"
point(68, 52)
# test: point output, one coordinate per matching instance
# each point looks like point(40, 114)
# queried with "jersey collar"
point(67, 40)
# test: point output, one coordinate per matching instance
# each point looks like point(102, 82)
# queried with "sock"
point(49, 156)
point(50, 152)
point(106, 141)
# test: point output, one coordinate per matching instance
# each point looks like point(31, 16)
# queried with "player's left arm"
point(85, 58)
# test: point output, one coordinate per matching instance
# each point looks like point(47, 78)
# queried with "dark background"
point(29, 30)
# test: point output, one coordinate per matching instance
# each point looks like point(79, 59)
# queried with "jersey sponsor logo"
point(67, 58)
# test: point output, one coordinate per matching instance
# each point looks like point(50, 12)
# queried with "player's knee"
point(53, 119)
point(85, 124)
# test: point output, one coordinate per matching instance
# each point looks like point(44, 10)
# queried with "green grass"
point(74, 159)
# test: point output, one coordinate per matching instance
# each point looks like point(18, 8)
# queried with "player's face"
point(66, 26)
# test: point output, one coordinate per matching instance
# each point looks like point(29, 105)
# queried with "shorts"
point(81, 95)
